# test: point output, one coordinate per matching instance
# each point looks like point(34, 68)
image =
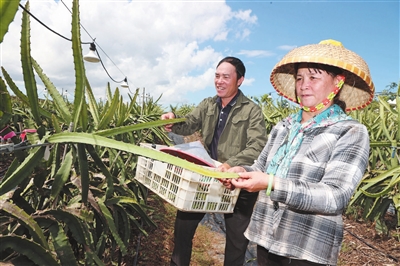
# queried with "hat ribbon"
point(327, 100)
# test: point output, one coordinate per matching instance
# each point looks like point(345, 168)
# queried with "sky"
point(171, 48)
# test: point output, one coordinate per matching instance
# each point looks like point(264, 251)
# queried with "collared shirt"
point(222, 117)
point(244, 134)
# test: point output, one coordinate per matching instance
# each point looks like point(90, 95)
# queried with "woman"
point(313, 160)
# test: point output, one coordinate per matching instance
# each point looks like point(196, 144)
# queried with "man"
point(234, 133)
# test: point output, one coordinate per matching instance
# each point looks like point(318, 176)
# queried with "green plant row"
point(70, 203)
point(74, 200)
point(380, 186)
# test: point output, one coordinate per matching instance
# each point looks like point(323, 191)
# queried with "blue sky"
point(172, 47)
point(369, 28)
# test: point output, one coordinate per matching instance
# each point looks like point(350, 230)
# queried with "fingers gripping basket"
point(186, 190)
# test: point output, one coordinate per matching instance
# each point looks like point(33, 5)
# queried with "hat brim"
point(358, 90)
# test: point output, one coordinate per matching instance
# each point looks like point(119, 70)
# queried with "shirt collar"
point(231, 103)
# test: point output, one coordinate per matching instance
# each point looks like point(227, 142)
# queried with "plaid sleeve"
point(326, 171)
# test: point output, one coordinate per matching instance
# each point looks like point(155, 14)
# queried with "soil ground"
point(361, 245)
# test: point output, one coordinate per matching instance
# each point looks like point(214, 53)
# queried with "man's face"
point(226, 82)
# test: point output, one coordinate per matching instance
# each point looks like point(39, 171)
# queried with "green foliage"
point(182, 110)
point(388, 93)
point(380, 186)
point(5, 107)
point(8, 9)
point(274, 111)
point(72, 199)
point(70, 203)
point(27, 69)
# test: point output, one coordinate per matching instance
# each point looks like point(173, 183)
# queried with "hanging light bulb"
point(124, 84)
point(92, 56)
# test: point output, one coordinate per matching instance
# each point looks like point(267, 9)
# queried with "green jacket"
point(243, 137)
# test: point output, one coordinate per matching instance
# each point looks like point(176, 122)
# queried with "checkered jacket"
point(302, 218)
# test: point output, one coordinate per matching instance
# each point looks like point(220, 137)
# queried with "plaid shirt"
point(302, 218)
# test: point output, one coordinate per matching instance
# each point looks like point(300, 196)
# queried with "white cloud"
point(164, 46)
point(244, 34)
point(245, 15)
point(248, 81)
point(256, 53)
point(287, 47)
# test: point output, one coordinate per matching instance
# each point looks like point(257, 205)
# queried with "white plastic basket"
point(184, 189)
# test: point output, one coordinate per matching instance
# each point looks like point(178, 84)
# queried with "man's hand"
point(224, 167)
point(236, 169)
point(227, 181)
point(165, 116)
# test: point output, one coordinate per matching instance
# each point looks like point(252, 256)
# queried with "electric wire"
point(11, 147)
point(110, 60)
point(101, 61)
point(79, 22)
point(44, 25)
point(93, 41)
point(99, 47)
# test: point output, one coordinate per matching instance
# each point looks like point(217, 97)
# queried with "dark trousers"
point(264, 258)
point(235, 223)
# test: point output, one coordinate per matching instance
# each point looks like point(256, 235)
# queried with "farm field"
point(361, 245)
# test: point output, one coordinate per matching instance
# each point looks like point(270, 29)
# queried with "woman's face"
point(313, 85)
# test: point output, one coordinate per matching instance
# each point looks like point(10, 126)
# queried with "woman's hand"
point(251, 181)
point(227, 181)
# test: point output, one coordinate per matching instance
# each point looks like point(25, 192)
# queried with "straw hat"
point(358, 90)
